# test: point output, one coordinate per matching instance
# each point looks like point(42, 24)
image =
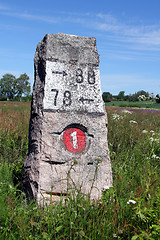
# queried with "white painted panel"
point(72, 88)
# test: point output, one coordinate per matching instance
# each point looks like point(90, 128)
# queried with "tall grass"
point(14, 123)
point(128, 210)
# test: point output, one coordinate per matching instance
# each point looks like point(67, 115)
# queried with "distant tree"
point(133, 97)
point(107, 96)
point(142, 95)
point(136, 96)
point(3, 98)
point(27, 98)
point(121, 95)
point(157, 98)
point(22, 86)
point(126, 98)
point(14, 88)
point(7, 86)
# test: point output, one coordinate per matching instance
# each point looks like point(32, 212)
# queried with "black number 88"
point(79, 76)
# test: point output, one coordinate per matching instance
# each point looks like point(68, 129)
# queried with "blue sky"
point(127, 34)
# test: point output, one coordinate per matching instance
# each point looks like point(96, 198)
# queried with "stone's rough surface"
point(68, 126)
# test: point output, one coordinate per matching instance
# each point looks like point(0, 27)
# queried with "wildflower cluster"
point(141, 97)
point(155, 137)
point(133, 121)
point(126, 111)
point(131, 201)
point(145, 98)
point(116, 116)
point(152, 96)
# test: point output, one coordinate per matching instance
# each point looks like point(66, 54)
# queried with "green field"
point(139, 104)
point(128, 210)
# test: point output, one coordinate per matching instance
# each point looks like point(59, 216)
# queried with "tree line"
point(15, 89)
point(138, 96)
point(19, 89)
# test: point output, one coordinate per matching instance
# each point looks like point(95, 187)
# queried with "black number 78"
point(66, 97)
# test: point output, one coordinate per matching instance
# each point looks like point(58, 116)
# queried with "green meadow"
point(128, 210)
point(139, 104)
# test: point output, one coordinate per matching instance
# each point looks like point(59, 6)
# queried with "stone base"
point(54, 170)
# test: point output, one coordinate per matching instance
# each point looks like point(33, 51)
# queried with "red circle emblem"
point(74, 140)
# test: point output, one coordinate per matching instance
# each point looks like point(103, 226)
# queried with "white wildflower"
point(155, 156)
point(116, 116)
point(154, 139)
point(141, 97)
point(152, 96)
point(132, 121)
point(114, 235)
point(153, 133)
point(126, 111)
point(144, 131)
point(151, 139)
point(131, 201)
point(113, 153)
point(105, 188)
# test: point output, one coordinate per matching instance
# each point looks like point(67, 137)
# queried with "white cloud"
point(108, 18)
point(133, 38)
point(38, 18)
point(3, 7)
point(131, 54)
point(122, 32)
point(30, 17)
point(10, 27)
point(143, 34)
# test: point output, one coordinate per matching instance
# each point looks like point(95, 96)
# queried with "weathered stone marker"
point(68, 127)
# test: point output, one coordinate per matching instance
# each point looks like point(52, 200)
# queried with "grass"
point(14, 123)
point(128, 210)
point(139, 104)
